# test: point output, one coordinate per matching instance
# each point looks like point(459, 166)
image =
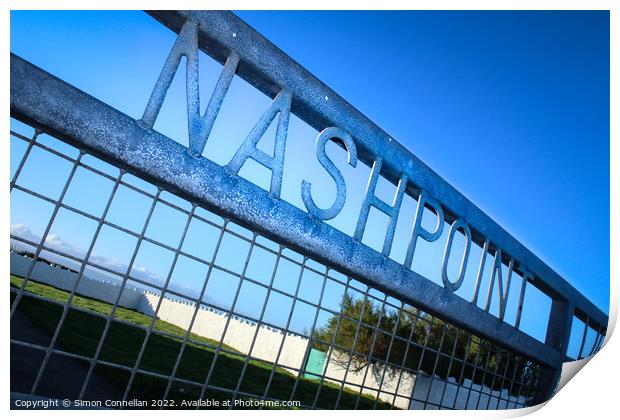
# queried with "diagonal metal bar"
point(18, 170)
point(230, 315)
point(332, 343)
point(67, 305)
point(191, 323)
point(162, 161)
point(270, 70)
point(387, 358)
point(406, 353)
point(106, 328)
point(351, 353)
point(376, 332)
point(311, 333)
point(41, 244)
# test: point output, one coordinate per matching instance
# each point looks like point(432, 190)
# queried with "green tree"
point(420, 343)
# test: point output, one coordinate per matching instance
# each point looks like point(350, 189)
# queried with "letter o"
point(453, 286)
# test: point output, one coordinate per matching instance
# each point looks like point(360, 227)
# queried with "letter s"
point(341, 189)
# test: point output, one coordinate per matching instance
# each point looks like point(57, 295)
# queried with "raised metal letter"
point(341, 188)
point(372, 200)
point(502, 294)
point(198, 127)
point(282, 105)
point(458, 224)
point(417, 230)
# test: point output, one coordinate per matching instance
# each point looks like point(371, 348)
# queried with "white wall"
point(65, 280)
point(239, 334)
point(433, 389)
point(209, 323)
point(372, 378)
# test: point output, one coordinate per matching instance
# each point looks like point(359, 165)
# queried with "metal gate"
point(353, 328)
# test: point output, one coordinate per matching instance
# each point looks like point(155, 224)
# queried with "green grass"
point(81, 332)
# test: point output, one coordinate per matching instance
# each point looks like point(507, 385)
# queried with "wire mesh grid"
point(302, 335)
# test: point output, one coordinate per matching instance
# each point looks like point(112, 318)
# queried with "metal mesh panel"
point(276, 312)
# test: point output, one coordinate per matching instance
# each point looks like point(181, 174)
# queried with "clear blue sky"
point(511, 108)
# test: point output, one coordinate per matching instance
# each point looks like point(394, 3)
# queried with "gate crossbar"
point(75, 117)
point(270, 70)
